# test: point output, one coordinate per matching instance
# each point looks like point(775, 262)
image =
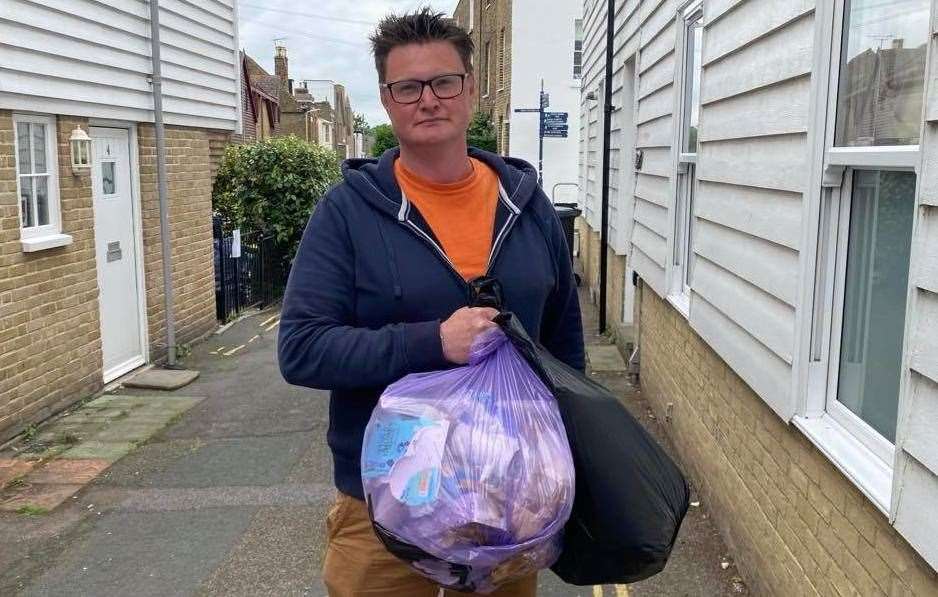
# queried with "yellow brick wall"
point(50, 346)
point(189, 178)
point(50, 335)
point(795, 524)
point(218, 141)
point(615, 279)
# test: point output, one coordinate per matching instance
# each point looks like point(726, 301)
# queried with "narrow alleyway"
point(230, 499)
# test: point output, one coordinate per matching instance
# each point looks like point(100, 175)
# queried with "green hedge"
point(272, 186)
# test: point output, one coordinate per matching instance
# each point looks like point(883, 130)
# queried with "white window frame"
point(685, 179)
point(860, 452)
point(578, 27)
point(35, 238)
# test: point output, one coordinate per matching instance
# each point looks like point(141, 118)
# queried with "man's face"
point(431, 120)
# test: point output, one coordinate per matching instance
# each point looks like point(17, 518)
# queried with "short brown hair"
point(420, 27)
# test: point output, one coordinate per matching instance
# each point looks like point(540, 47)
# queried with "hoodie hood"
point(373, 178)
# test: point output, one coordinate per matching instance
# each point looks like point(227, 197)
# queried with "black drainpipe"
point(607, 128)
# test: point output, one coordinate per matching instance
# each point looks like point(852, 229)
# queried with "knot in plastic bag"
point(485, 345)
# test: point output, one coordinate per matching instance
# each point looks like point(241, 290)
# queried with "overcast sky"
point(327, 39)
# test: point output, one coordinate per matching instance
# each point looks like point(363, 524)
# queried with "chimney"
point(897, 44)
point(280, 63)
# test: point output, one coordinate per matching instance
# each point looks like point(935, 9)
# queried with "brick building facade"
point(260, 102)
point(50, 325)
point(489, 24)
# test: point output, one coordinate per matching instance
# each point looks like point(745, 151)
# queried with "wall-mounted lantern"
point(80, 144)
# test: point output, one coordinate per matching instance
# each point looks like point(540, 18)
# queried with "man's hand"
point(460, 331)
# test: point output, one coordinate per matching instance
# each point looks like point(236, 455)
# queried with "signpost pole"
point(540, 149)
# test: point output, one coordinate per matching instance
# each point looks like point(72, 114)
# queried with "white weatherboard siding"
point(88, 58)
point(591, 124)
point(655, 131)
point(753, 204)
point(543, 48)
point(752, 168)
point(753, 160)
point(915, 485)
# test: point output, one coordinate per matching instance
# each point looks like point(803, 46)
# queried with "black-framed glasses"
point(411, 90)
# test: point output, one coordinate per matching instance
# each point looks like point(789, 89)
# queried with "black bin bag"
point(630, 496)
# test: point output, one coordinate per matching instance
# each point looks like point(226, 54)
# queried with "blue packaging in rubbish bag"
point(468, 473)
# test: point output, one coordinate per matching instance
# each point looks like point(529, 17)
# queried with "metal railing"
point(255, 279)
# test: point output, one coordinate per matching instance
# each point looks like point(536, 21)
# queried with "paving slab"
point(604, 358)
point(46, 453)
point(132, 430)
point(44, 496)
point(11, 468)
point(97, 450)
point(67, 471)
point(162, 379)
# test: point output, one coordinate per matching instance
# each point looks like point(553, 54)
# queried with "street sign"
point(527, 109)
point(562, 134)
point(545, 100)
point(555, 126)
point(555, 117)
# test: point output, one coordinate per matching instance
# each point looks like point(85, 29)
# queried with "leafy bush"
point(271, 187)
point(482, 133)
point(384, 139)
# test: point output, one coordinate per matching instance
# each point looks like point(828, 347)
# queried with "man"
point(380, 284)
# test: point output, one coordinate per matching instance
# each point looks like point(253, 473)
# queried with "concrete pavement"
point(231, 498)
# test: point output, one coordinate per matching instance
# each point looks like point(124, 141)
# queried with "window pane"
point(882, 72)
point(881, 212)
point(39, 148)
point(41, 184)
point(692, 82)
point(22, 143)
point(107, 177)
point(26, 202)
point(689, 218)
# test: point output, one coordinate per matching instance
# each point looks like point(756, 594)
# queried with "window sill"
point(681, 302)
point(41, 243)
point(861, 465)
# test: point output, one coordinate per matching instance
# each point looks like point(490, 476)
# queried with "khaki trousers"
point(358, 565)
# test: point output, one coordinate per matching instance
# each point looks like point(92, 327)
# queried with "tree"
point(361, 125)
point(271, 187)
point(482, 132)
point(384, 139)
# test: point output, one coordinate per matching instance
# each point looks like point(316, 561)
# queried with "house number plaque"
point(113, 251)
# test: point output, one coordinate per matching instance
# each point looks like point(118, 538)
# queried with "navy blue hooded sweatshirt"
point(371, 284)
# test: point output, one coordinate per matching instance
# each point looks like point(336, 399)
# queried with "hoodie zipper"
point(496, 243)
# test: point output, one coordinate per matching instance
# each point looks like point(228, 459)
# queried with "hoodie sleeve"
point(319, 347)
point(562, 325)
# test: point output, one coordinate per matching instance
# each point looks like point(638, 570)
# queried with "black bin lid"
point(567, 210)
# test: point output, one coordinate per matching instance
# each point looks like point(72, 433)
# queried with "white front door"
point(115, 234)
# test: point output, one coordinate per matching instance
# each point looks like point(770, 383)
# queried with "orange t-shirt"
point(461, 214)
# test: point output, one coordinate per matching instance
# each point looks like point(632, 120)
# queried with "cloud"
point(325, 40)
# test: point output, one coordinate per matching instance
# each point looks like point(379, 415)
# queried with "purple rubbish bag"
point(468, 473)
